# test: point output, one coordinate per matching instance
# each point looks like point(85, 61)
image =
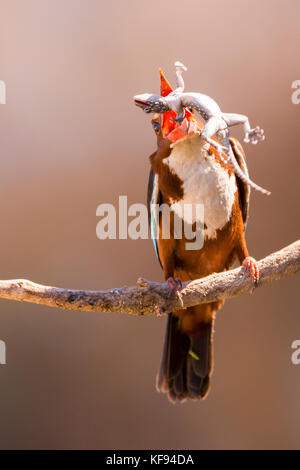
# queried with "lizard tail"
point(240, 174)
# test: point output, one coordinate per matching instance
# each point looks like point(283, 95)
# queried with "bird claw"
point(175, 285)
point(252, 265)
point(254, 136)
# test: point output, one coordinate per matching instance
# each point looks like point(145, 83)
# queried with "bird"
point(185, 170)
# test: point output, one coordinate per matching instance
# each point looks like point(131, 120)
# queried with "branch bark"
point(153, 298)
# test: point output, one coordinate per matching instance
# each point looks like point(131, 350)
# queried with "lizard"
point(216, 122)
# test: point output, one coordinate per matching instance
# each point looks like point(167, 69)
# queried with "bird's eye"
point(156, 127)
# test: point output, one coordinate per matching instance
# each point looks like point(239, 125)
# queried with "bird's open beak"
point(189, 127)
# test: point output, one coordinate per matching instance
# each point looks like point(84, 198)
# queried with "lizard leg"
point(251, 135)
point(211, 127)
point(179, 68)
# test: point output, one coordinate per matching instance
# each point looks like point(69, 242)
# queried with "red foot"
point(175, 285)
point(251, 263)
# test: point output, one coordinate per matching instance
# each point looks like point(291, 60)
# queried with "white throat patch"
point(205, 182)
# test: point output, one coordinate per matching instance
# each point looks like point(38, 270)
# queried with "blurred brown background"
point(72, 139)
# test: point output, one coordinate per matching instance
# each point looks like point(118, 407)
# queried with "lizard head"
point(151, 103)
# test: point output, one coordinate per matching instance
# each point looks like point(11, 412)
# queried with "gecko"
point(216, 123)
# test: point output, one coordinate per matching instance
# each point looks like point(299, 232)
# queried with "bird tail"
point(187, 361)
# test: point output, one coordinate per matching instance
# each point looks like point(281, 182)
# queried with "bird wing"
point(153, 202)
point(244, 189)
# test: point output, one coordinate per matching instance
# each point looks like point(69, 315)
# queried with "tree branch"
point(152, 298)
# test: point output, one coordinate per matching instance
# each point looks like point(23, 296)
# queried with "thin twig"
point(153, 298)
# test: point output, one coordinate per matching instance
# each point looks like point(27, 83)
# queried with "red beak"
point(174, 131)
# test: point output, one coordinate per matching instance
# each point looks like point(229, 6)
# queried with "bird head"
point(191, 126)
point(163, 122)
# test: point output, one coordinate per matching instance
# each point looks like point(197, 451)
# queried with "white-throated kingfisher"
point(187, 170)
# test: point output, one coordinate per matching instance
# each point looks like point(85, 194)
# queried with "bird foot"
point(175, 285)
point(252, 265)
